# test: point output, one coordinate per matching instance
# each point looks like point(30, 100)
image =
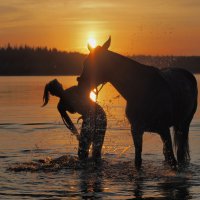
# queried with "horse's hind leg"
point(167, 147)
point(137, 135)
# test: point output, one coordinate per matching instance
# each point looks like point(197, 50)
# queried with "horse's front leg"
point(167, 147)
point(137, 134)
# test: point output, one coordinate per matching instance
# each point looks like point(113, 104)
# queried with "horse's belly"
point(152, 113)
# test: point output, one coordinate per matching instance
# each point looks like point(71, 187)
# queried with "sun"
point(92, 42)
point(93, 95)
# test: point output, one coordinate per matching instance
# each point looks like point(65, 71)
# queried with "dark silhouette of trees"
point(25, 60)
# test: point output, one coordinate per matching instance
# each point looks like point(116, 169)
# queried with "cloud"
point(6, 9)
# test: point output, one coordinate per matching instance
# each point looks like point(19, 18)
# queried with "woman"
point(94, 118)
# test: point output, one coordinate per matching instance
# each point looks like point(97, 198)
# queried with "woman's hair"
point(52, 87)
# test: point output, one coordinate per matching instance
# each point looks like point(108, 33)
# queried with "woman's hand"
point(67, 121)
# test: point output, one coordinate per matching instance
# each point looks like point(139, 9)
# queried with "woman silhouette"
point(94, 118)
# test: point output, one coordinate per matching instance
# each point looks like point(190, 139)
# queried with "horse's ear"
point(89, 47)
point(106, 45)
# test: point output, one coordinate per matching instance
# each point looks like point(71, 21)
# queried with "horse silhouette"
point(156, 99)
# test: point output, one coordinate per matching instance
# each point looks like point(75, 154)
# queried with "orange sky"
point(137, 27)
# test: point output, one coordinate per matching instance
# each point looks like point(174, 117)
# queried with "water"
point(31, 138)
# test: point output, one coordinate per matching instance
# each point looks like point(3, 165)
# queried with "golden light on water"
point(92, 42)
point(93, 95)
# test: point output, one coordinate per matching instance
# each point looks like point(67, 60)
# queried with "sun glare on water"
point(92, 42)
point(93, 95)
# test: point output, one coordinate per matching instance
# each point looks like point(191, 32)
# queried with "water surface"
point(29, 133)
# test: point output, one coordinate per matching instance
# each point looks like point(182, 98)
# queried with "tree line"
point(26, 60)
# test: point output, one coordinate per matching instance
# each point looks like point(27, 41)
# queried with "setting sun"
point(93, 95)
point(92, 42)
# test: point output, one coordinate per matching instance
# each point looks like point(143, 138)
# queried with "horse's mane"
point(130, 63)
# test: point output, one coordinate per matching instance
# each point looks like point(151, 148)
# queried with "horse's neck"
point(126, 76)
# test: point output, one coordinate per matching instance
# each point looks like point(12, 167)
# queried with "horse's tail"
point(181, 144)
point(181, 130)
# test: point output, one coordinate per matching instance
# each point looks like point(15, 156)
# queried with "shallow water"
point(31, 138)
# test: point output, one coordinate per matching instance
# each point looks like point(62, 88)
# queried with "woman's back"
point(76, 101)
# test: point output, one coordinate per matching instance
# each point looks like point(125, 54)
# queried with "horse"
point(156, 99)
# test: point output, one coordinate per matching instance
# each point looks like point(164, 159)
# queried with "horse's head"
point(96, 64)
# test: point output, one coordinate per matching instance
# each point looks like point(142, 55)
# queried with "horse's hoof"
point(173, 167)
point(138, 164)
point(172, 164)
point(98, 161)
point(183, 165)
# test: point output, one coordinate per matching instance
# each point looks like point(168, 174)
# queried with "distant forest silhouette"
point(25, 60)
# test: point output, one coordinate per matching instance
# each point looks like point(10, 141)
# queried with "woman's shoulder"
point(60, 104)
point(72, 90)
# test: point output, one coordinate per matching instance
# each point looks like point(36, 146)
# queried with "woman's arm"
point(67, 121)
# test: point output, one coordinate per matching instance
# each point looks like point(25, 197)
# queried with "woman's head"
point(54, 88)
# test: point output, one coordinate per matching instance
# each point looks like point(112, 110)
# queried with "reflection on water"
point(111, 177)
point(38, 156)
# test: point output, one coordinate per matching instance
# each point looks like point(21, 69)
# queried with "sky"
point(154, 27)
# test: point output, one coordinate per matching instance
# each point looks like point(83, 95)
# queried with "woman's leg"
point(98, 139)
point(84, 142)
point(100, 125)
point(97, 145)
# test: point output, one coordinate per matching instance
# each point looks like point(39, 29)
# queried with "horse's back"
point(180, 80)
point(174, 73)
point(183, 85)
